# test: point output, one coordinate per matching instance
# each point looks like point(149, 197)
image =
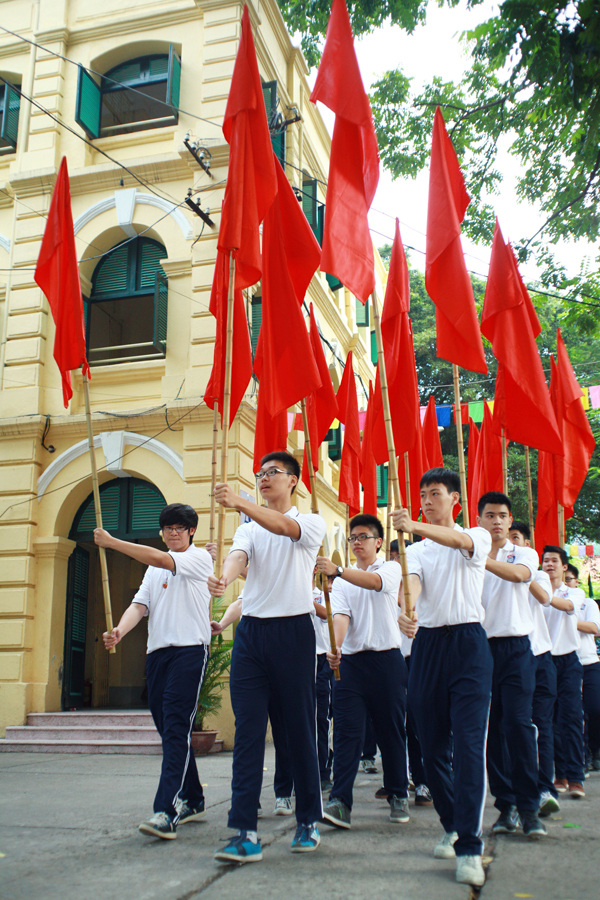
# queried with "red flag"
point(418, 464)
point(473, 475)
point(349, 487)
point(446, 277)
point(270, 433)
point(353, 162)
point(321, 406)
point(546, 520)
point(241, 358)
point(368, 467)
point(57, 273)
point(290, 258)
point(489, 458)
point(251, 180)
point(578, 439)
point(431, 437)
point(522, 405)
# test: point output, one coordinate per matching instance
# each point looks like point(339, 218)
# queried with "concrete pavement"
point(68, 831)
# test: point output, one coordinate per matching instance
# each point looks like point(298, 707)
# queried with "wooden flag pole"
point(393, 463)
point(561, 526)
point(213, 480)
point(347, 533)
point(226, 409)
point(98, 508)
point(388, 527)
point(529, 496)
point(407, 484)
point(461, 447)
point(314, 505)
point(504, 465)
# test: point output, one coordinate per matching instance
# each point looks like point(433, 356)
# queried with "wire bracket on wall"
point(47, 447)
point(202, 155)
point(199, 212)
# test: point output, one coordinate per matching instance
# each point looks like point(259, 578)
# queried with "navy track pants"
point(415, 761)
point(568, 718)
point(324, 678)
point(544, 699)
point(591, 706)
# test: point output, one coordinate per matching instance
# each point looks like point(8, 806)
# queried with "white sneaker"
point(283, 806)
point(469, 870)
point(548, 804)
point(445, 848)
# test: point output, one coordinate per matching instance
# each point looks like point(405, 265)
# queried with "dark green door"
point(75, 625)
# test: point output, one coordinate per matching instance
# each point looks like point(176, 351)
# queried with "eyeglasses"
point(270, 473)
point(361, 537)
point(177, 529)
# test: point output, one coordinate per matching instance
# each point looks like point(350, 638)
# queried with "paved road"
point(68, 831)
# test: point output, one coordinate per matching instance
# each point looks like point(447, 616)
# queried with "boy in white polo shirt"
point(588, 626)
point(512, 760)
point(568, 722)
point(364, 602)
point(174, 595)
point(274, 650)
point(544, 696)
point(450, 678)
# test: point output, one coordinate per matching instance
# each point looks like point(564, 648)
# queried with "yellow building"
point(136, 85)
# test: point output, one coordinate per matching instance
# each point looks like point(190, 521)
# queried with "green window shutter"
point(88, 103)
point(334, 283)
point(128, 72)
point(161, 303)
point(146, 505)
point(159, 65)
point(79, 586)
point(269, 89)
point(149, 258)
point(173, 78)
point(112, 273)
point(373, 348)
point(309, 202)
point(256, 322)
point(10, 119)
point(278, 142)
point(109, 504)
point(334, 443)
point(382, 485)
point(362, 314)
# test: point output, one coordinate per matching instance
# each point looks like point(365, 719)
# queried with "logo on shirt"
point(510, 557)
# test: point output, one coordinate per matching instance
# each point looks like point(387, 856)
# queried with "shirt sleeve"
point(312, 531)
point(413, 558)
point(195, 563)
point(143, 596)
point(242, 540)
point(544, 582)
point(391, 576)
point(339, 600)
point(482, 544)
point(592, 613)
point(528, 558)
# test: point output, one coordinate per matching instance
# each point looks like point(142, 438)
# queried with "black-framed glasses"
point(270, 473)
point(361, 537)
point(175, 529)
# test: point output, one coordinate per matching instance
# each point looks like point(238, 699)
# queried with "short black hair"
point(394, 546)
point(368, 520)
point(495, 498)
point(447, 477)
point(178, 514)
point(289, 461)
point(522, 528)
point(573, 570)
point(550, 548)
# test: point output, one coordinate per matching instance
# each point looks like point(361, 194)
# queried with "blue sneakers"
point(306, 838)
point(240, 849)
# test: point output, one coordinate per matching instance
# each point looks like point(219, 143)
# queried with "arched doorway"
point(130, 511)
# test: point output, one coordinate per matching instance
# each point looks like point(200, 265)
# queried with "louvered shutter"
point(373, 348)
point(173, 79)
point(256, 321)
point(88, 103)
point(112, 274)
point(110, 505)
point(148, 264)
point(362, 314)
point(334, 443)
point(161, 303)
point(146, 505)
point(309, 203)
point(10, 119)
point(382, 485)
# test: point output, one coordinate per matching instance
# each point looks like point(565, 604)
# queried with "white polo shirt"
point(587, 610)
point(321, 627)
point(279, 581)
point(405, 645)
point(506, 603)
point(562, 626)
point(373, 614)
point(451, 581)
point(177, 603)
point(540, 636)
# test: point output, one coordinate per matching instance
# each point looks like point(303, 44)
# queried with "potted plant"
point(210, 697)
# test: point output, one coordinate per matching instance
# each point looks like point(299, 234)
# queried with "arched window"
point(133, 96)
point(130, 511)
point(126, 313)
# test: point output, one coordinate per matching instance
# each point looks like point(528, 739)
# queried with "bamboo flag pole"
point(388, 527)
point(529, 496)
point(98, 508)
point(561, 525)
point(226, 409)
point(347, 533)
point(461, 447)
point(314, 505)
point(213, 480)
point(504, 465)
point(393, 463)
point(407, 484)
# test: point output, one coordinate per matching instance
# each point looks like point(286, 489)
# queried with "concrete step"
point(98, 717)
point(142, 734)
point(147, 748)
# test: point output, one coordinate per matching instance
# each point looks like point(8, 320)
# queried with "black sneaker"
point(326, 785)
point(187, 813)
point(506, 822)
point(533, 826)
point(160, 825)
point(336, 813)
point(381, 794)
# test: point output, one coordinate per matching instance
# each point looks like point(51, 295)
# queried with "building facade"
point(134, 98)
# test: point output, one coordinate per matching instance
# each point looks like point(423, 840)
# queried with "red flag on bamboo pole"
point(578, 439)
point(270, 433)
point(446, 277)
point(349, 487)
point(556, 398)
point(368, 467)
point(546, 520)
point(472, 462)
point(321, 405)
point(250, 190)
point(522, 405)
point(431, 437)
point(57, 274)
point(489, 458)
point(353, 162)
point(291, 255)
